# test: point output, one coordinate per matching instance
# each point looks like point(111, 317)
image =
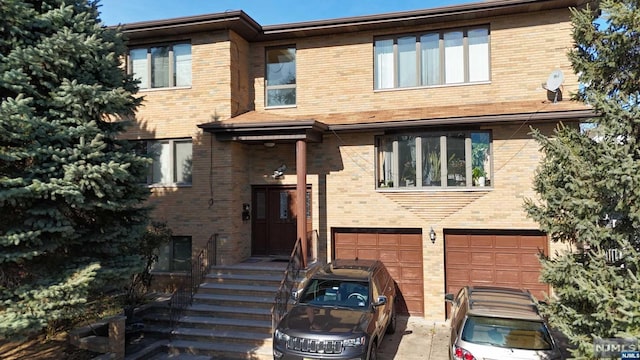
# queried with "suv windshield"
point(333, 292)
point(509, 333)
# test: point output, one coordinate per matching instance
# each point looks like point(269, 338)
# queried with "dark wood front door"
point(274, 220)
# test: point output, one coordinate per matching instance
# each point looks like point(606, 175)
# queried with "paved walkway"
point(416, 339)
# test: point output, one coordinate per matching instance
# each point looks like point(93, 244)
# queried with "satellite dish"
point(554, 80)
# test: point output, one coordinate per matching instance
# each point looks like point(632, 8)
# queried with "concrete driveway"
point(416, 338)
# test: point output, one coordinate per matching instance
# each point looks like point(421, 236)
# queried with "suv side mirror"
point(381, 300)
point(449, 298)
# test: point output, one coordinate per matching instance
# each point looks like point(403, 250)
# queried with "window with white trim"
point(280, 77)
point(171, 161)
point(161, 66)
point(174, 256)
point(460, 159)
point(432, 58)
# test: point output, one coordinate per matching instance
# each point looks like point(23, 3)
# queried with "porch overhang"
point(260, 132)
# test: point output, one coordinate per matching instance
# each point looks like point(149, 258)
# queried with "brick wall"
point(200, 210)
point(335, 74)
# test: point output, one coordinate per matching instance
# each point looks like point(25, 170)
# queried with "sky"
point(265, 12)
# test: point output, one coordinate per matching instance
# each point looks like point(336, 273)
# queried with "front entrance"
point(273, 226)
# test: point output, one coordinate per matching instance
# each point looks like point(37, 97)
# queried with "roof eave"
point(247, 27)
point(378, 22)
point(573, 115)
point(236, 20)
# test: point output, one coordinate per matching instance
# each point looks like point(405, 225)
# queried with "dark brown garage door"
point(502, 259)
point(401, 252)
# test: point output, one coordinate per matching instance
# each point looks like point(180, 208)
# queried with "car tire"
point(393, 320)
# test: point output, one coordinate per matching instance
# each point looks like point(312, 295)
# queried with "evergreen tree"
point(589, 186)
point(72, 208)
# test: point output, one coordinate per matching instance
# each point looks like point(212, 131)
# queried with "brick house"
point(403, 136)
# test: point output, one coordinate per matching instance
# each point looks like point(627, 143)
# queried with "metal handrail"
point(183, 295)
point(205, 259)
point(287, 284)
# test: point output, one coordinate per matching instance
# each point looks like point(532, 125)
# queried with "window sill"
point(280, 107)
point(166, 89)
point(436, 189)
point(432, 86)
point(169, 186)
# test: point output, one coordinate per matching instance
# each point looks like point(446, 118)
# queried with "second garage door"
point(399, 250)
point(500, 258)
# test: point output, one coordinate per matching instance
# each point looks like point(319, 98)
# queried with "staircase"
point(230, 317)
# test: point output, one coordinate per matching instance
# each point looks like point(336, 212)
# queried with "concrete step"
point(259, 278)
point(238, 289)
point(229, 318)
point(155, 316)
point(221, 336)
point(146, 349)
point(222, 350)
point(264, 302)
point(162, 331)
point(260, 268)
point(227, 312)
point(226, 324)
point(166, 356)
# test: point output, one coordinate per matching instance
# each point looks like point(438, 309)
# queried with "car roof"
point(503, 302)
point(354, 269)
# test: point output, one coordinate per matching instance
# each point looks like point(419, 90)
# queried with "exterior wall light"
point(432, 236)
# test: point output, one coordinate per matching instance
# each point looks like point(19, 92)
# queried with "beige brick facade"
point(334, 77)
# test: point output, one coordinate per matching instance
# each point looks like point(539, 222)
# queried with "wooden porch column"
point(301, 195)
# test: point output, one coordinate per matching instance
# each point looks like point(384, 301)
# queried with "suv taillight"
point(462, 354)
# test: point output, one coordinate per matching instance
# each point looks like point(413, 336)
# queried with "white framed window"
point(453, 57)
point(280, 77)
point(171, 161)
point(161, 66)
point(174, 256)
point(433, 58)
point(460, 159)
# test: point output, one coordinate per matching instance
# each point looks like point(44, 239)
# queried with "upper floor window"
point(161, 66)
point(281, 77)
point(172, 161)
point(453, 160)
point(433, 58)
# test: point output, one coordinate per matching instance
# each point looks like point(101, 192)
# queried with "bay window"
point(432, 58)
point(434, 160)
